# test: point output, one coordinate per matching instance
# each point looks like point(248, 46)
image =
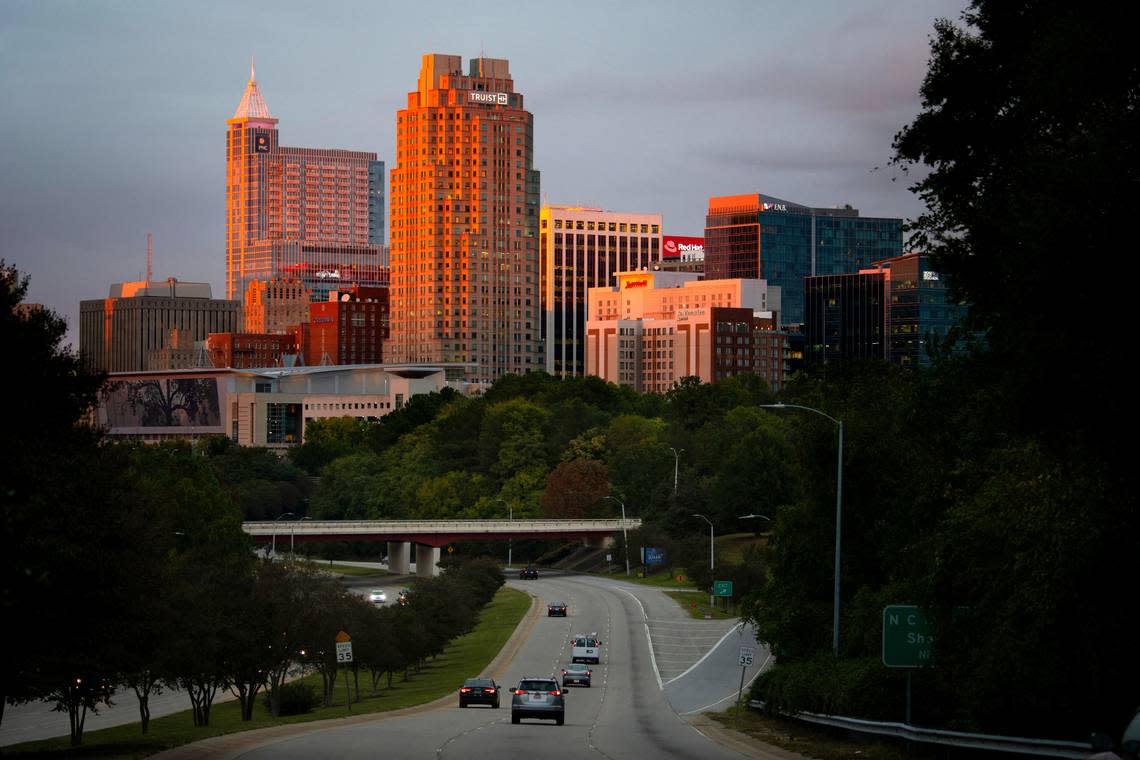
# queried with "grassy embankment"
point(822, 743)
point(464, 657)
point(675, 581)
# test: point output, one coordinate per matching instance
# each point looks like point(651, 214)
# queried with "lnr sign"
point(908, 637)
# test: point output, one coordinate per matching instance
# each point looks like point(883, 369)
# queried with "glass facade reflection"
point(760, 236)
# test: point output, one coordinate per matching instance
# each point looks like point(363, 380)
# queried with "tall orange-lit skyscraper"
point(311, 214)
point(464, 222)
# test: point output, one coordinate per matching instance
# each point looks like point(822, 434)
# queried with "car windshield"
point(576, 667)
point(584, 643)
point(480, 682)
point(558, 604)
point(538, 685)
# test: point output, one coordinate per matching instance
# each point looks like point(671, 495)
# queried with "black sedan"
point(528, 573)
point(479, 691)
point(556, 609)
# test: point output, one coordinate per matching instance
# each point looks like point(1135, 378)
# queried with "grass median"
point(464, 657)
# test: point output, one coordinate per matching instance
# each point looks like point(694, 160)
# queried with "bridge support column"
point(427, 560)
point(399, 557)
point(599, 542)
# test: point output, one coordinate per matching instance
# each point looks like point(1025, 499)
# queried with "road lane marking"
point(698, 662)
point(747, 684)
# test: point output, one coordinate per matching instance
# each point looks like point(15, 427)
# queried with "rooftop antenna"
point(149, 257)
point(251, 60)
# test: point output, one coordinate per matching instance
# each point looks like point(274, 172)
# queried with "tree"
point(573, 488)
point(1031, 134)
point(330, 438)
point(45, 538)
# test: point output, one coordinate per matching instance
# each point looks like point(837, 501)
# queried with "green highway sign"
point(908, 637)
point(722, 588)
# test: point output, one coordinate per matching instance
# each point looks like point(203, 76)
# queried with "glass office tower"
point(760, 236)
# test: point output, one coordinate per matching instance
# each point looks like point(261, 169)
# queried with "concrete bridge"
point(427, 536)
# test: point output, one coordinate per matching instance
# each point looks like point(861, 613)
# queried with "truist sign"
point(675, 247)
point(488, 98)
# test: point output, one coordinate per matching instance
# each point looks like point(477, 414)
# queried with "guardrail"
point(1019, 745)
point(403, 527)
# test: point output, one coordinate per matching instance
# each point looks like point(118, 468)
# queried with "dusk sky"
point(113, 114)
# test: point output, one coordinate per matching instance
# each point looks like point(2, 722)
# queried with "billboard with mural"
point(163, 403)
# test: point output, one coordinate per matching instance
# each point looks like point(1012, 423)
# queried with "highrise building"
point(757, 235)
point(464, 222)
point(583, 248)
point(897, 311)
point(148, 325)
point(311, 214)
point(275, 305)
point(847, 317)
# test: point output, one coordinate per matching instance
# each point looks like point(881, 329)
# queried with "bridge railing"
point(403, 527)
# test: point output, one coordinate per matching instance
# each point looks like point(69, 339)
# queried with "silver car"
point(539, 698)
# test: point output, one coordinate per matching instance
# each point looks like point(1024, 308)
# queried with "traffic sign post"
point(344, 655)
point(746, 655)
point(908, 637)
point(908, 641)
point(721, 589)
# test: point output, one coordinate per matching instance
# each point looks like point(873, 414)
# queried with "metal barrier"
point(1042, 747)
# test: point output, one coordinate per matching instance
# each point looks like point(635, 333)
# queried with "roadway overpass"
point(429, 535)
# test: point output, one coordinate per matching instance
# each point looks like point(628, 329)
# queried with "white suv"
point(585, 647)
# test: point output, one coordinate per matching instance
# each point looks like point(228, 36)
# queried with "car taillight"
point(589, 672)
point(465, 690)
point(556, 693)
point(520, 691)
point(563, 671)
point(488, 691)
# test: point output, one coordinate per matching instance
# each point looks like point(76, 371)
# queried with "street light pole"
point(676, 466)
point(624, 532)
point(275, 520)
point(838, 515)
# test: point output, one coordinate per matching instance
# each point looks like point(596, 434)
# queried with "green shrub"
point(297, 698)
point(860, 688)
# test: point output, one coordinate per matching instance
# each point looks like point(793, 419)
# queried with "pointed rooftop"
point(252, 105)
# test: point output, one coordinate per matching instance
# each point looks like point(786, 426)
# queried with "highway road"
point(658, 665)
point(625, 714)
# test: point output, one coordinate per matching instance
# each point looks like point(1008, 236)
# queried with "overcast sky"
point(113, 114)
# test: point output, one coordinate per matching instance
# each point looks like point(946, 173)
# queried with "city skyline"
point(116, 117)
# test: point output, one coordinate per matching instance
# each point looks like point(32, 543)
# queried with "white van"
point(585, 647)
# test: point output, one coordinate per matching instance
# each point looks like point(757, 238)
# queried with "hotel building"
point(464, 222)
point(759, 236)
point(655, 328)
point(583, 248)
point(310, 214)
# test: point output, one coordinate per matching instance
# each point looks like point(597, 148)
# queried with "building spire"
point(252, 105)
